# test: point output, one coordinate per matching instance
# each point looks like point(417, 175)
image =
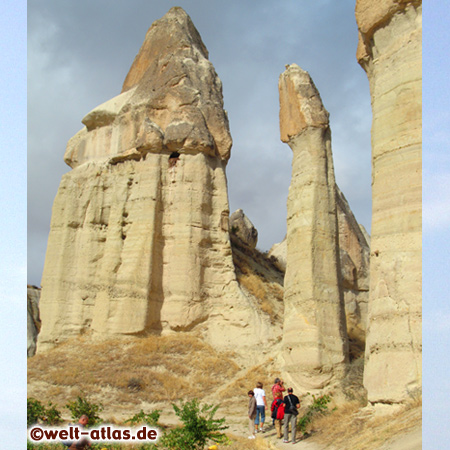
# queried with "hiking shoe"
point(251, 437)
point(262, 430)
point(285, 441)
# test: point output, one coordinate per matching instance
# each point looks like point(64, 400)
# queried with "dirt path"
point(270, 435)
point(409, 441)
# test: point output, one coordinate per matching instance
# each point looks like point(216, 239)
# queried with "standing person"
point(291, 405)
point(278, 387)
point(251, 413)
point(261, 405)
point(83, 443)
point(277, 409)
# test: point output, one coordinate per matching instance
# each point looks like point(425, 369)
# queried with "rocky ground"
point(400, 431)
point(124, 381)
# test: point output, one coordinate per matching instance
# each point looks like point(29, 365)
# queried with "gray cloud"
point(80, 51)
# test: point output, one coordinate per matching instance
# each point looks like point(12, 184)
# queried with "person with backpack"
point(277, 388)
point(277, 409)
point(291, 405)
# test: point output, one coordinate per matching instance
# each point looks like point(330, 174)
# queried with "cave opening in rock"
point(173, 158)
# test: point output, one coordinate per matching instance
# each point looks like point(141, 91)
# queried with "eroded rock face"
point(390, 52)
point(354, 252)
point(315, 346)
point(242, 227)
point(171, 100)
point(33, 319)
point(139, 236)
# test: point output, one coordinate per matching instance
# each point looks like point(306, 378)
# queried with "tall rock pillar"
point(390, 51)
point(139, 236)
point(315, 343)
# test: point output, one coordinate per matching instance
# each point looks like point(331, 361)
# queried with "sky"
point(436, 225)
point(79, 53)
point(13, 144)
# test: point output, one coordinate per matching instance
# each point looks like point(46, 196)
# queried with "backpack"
point(277, 409)
point(292, 408)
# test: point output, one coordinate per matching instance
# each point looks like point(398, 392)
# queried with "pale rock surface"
point(243, 228)
point(171, 99)
point(315, 345)
point(365, 233)
point(390, 52)
point(33, 318)
point(279, 252)
point(139, 236)
point(354, 254)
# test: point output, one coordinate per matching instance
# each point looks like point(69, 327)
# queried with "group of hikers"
point(284, 410)
point(284, 414)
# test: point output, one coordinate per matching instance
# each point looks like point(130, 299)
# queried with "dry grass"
point(258, 276)
point(149, 369)
point(253, 284)
point(267, 307)
point(239, 443)
point(241, 385)
point(351, 426)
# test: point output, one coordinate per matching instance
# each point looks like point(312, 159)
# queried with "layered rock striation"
point(315, 345)
point(390, 51)
point(139, 236)
point(354, 254)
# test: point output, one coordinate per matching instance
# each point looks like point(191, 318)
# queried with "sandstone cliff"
point(315, 344)
point(390, 52)
point(139, 236)
point(354, 253)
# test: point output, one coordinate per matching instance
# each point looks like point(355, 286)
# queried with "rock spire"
point(315, 346)
point(390, 49)
point(139, 236)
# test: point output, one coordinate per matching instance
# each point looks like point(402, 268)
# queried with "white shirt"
point(259, 394)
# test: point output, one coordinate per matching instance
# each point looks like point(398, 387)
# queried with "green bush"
point(319, 406)
point(37, 412)
point(52, 415)
point(199, 426)
point(143, 418)
point(83, 406)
